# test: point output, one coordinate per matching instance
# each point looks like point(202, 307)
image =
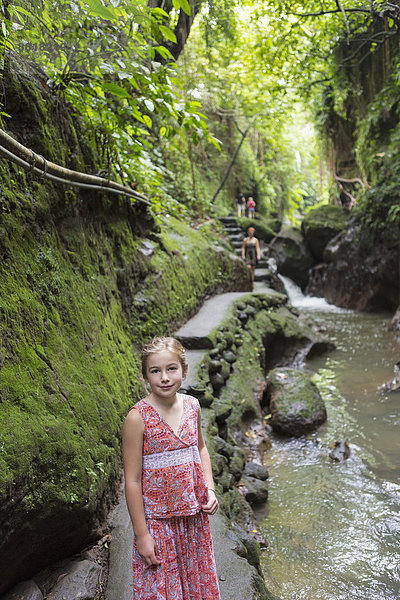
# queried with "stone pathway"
point(234, 572)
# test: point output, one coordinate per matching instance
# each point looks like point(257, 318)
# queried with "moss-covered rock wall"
point(84, 280)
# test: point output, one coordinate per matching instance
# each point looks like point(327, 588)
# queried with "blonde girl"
point(168, 484)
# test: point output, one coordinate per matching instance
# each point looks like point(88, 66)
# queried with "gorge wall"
point(84, 280)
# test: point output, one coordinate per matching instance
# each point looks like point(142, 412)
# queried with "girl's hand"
point(212, 505)
point(147, 550)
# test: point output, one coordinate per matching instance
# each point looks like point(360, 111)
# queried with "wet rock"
point(394, 384)
point(238, 545)
point(341, 451)
point(252, 547)
point(225, 480)
point(395, 324)
point(80, 583)
point(217, 382)
point(219, 464)
point(206, 400)
point(223, 447)
point(356, 275)
point(229, 356)
point(322, 224)
point(251, 311)
point(214, 353)
point(147, 248)
point(318, 348)
point(236, 466)
point(238, 340)
point(222, 411)
point(193, 342)
point(256, 470)
point(243, 317)
point(26, 590)
point(254, 490)
point(214, 366)
point(294, 401)
point(226, 369)
point(292, 255)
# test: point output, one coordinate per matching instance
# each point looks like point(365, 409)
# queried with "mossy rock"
point(322, 224)
point(264, 230)
point(294, 401)
point(292, 254)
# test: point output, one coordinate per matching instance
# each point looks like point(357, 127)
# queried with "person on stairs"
point(251, 252)
point(251, 207)
point(241, 205)
point(169, 486)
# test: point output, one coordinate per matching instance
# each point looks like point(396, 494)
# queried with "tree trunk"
point(183, 25)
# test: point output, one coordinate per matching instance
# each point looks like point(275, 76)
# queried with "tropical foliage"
point(193, 119)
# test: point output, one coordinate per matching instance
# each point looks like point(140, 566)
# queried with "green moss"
point(326, 216)
point(266, 229)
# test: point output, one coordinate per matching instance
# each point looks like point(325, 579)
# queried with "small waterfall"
point(299, 300)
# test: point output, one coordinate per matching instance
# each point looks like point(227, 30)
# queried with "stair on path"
point(236, 236)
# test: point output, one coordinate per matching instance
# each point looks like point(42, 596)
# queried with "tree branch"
point(340, 7)
point(331, 12)
point(228, 170)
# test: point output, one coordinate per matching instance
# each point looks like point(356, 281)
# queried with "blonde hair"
point(158, 344)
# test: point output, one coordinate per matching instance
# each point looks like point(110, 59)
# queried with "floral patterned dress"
point(174, 489)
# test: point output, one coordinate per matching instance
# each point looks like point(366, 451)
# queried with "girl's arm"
point(212, 504)
point(258, 250)
point(243, 248)
point(132, 441)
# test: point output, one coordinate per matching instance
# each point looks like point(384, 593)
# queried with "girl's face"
point(164, 373)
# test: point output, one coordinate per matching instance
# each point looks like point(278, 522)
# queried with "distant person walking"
point(241, 205)
point(251, 252)
point(251, 206)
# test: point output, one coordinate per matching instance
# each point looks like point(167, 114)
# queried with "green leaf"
point(115, 89)
point(168, 34)
point(159, 12)
point(148, 121)
point(149, 104)
point(165, 53)
point(163, 131)
point(185, 6)
point(98, 10)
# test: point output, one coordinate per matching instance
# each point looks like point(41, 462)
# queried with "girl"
point(168, 484)
point(251, 207)
point(251, 252)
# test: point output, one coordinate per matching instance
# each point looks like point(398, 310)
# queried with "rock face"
point(78, 281)
point(294, 401)
point(292, 255)
point(357, 276)
point(322, 224)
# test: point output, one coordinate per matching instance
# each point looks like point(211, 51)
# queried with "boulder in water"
point(292, 255)
point(294, 401)
point(341, 451)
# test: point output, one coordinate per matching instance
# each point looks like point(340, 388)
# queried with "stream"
point(333, 529)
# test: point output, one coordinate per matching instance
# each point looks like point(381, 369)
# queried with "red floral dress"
point(174, 489)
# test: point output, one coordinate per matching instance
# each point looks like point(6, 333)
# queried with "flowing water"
point(333, 529)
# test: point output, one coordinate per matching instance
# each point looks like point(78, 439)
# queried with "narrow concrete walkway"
point(234, 572)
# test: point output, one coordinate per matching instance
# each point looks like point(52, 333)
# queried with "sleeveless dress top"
point(251, 253)
point(173, 482)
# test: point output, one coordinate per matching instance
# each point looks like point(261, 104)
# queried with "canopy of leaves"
point(110, 61)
